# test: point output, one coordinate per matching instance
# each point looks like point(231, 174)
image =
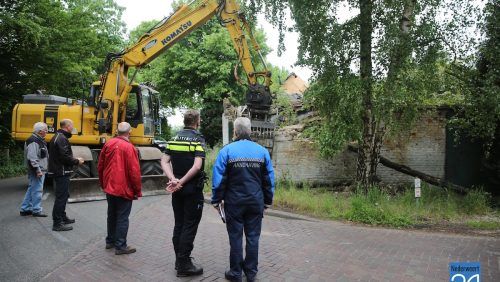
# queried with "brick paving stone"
point(292, 248)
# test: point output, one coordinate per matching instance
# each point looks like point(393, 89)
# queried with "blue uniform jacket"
point(243, 175)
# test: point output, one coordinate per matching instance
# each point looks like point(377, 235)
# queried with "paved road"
point(29, 249)
point(292, 249)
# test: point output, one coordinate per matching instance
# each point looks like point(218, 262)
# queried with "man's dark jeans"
point(188, 210)
point(62, 195)
point(247, 218)
point(118, 213)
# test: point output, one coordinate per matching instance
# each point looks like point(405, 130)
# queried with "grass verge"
point(380, 208)
point(483, 225)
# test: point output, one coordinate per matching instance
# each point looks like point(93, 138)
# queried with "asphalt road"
point(29, 249)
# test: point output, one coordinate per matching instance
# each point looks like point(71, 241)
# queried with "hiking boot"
point(126, 251)
point(61, 227)
point(109, 246)
point(68, 220)
point(187, 268)
point(39, 214)
point(25, 213)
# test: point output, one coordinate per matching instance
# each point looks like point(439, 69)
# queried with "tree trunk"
point(436, 181)
point(374, 129)
point(364, 173)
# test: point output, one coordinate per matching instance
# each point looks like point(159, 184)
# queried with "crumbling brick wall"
point(422, 148)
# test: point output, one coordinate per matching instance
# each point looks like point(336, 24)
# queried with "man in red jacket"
point(120, 178)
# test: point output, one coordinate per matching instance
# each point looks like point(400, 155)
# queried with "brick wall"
point(299, 161)
point(422, 148)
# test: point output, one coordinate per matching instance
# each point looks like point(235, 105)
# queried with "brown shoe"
point(126, 251)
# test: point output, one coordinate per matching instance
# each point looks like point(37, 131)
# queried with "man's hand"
point(39, 174)
point(80, 161)
point(173, 185)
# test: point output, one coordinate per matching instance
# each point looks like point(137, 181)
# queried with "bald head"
point(66, 125)
point(124, 129)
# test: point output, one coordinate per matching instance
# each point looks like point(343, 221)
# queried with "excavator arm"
point(116, 85)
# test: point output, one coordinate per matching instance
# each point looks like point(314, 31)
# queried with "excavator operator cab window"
point(132, 107)
point(147, 111)
point(135, 107)
point(95, 90)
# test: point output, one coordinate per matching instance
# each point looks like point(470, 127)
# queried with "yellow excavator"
point(116, 97)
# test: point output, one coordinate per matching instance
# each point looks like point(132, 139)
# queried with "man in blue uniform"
point(183, 164)
point(243, 178)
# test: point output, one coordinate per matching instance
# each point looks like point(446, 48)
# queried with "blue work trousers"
point(239, 219)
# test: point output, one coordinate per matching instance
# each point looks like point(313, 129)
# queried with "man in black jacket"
point(61, 164)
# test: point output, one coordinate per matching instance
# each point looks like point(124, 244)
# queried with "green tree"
point(198, 72)
point(478, 116)
point(373, 70)
point(51, 45)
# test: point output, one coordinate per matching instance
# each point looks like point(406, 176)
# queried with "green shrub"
point(14, 165)
point(476, 202)
point(210, 157)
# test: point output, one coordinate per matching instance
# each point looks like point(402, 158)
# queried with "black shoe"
point(250, 278)
point(39, 214)
point(68, 220)
point(231, 278)
point(61, 227)
point(25, 213)
point(109, 246)
point(126, 251)
point(187, 268)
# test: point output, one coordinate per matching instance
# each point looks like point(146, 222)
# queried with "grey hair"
point(123, 128)
point(242, 126)
point(39, 126)
point(65, 122)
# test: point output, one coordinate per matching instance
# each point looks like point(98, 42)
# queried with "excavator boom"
point(116, 97)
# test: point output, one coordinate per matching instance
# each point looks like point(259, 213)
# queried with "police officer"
point(243, 177)
point(183, 164)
